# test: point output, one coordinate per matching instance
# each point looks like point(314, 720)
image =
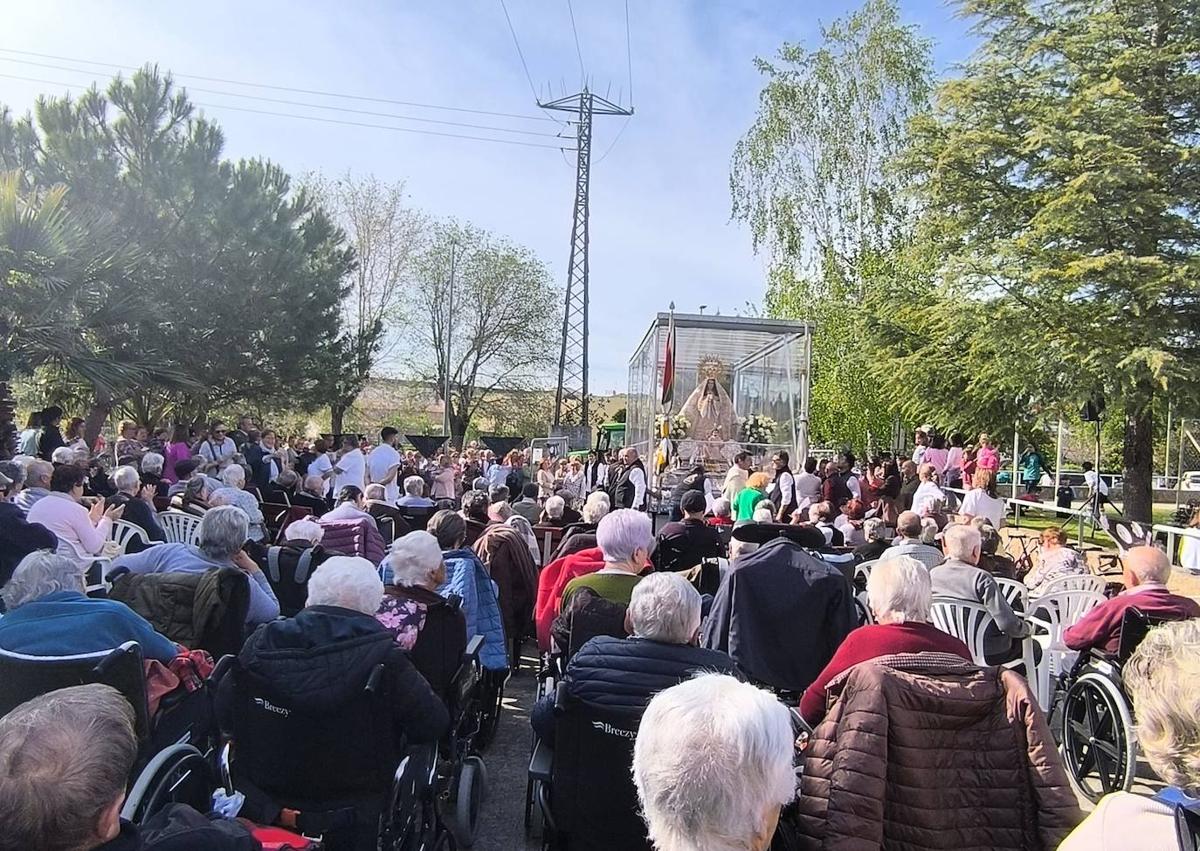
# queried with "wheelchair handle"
point(118, 653)
point(375, 678)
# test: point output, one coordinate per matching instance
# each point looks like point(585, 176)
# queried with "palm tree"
point(57, 265)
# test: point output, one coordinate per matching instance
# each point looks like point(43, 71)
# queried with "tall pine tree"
point(1060, 181)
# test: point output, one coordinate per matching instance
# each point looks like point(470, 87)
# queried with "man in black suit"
point(686, 543)
point(312, 496)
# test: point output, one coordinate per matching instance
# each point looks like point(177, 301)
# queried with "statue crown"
point(711, 367)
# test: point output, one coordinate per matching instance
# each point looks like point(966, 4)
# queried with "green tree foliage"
point(238, 278)
point(494, 346)
point(811, 178)
point(1059, 180)
point(58, 270)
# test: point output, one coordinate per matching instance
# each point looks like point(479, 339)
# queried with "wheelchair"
point(174, 761)
point(402, 813)
point(583, 788)
point(182, 718)
point(1096, 728)
point(461, 775)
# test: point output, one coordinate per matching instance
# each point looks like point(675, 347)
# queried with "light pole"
point(449, 325)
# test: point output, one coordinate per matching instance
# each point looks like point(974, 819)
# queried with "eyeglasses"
point(219, 431)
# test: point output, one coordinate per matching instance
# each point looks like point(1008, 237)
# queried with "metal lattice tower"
point(571, 397)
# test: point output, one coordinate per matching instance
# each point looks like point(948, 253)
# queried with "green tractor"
point(609, 437)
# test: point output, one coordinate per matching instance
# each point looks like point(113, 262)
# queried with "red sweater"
point(871, 642)
point(1101, 627)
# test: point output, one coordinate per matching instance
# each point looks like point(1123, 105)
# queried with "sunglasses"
point(219, 431)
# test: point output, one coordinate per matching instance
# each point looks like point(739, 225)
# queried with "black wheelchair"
point(393, 801)
point(583, 788)
point(461, 775)
point(174, 746)
point(1096, 728)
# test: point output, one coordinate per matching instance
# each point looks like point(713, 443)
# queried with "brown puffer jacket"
point(503, 551)
point(922, 752)
point(202, 610)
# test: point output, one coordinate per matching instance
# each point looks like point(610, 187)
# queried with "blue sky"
point(660, 228)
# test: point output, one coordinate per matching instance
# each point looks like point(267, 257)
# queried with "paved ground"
point(502, 819)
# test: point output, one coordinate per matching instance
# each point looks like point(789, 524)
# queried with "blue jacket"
point(468, 578)
point(67, 622)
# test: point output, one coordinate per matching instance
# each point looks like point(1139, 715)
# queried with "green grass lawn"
point(1033, 518)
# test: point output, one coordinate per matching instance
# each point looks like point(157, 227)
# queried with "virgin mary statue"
point(709, 408)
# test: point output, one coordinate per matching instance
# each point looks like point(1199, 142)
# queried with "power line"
point(578, 51)
point(287, 102)
point(520, 53)
point(278, 88)
point(613, 143)
point(628, 56)
point(524, 64)
point(342, 122)
point(384, 127)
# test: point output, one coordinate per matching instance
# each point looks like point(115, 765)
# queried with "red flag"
point(668, 386)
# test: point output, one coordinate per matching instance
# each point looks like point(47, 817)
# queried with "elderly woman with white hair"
point(626, 539)
point(900, 594)
point(316, 665)
point(421, 621)
point(622, 674)
point(877, 540)
point(138, 500)
point(713, 766)
point(233, 478)
point(1161, 678)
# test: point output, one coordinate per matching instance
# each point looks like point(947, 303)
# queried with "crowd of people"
point(726, 631)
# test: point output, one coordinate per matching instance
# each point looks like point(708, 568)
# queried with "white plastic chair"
point(1051, 615)
point(1075, 582)
point(864, 571)
point(180, 528)
point(122, 532)
point(69, 550)
point(1014, 592)
point(968, 622)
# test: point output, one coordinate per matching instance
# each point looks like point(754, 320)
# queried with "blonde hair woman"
point(981, 500)
point(749, 498)
point(1161, 678)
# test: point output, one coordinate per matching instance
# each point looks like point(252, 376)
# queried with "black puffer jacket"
point(297, 706)
point(622, 674)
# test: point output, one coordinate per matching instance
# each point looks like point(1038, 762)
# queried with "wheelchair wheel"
point(177, 775)
point(468, 800)
point(1098, 744)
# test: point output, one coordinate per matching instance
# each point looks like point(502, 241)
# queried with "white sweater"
point(70, 521)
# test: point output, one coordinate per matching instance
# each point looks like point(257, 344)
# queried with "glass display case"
point(740, 384)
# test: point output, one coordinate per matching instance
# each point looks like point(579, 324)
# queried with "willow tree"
point(1060, 179)
point(812, 179)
